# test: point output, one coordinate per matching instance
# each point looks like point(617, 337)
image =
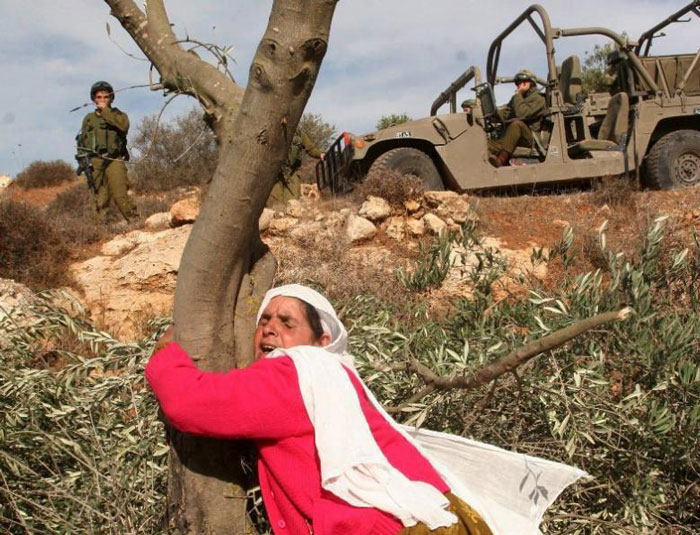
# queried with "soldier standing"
point(522, 114)
point(288, 185)
point(103, 138)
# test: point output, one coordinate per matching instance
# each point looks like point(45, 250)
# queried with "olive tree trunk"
point(225, 268)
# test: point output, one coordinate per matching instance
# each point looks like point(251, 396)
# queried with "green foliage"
point(393, 119)
point(82, 451)
point(179, 153)
point(42, 174)
point(622, 402)
point(320, 132)
point(432, 267)
point(596, 78)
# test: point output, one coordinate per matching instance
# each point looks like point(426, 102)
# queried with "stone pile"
point(134, 275)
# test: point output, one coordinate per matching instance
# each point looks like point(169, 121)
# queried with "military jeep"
point(648, 125)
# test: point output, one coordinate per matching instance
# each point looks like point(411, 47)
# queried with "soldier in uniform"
point(288, 185)
point(468, 108)
point(103, 138)
point(468, 105)
point(522, 115)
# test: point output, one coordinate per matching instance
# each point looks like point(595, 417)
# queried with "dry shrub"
point(614, 191)
point(341, 270)
point(33, 250)
point(73, 211)
point(42, 174)
point(391, 185)
point(183, 152)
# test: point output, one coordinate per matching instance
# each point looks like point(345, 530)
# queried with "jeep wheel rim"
point(687, 168)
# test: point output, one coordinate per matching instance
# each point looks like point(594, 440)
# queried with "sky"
point(384, 56)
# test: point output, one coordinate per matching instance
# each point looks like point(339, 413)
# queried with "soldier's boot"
point(500, 159)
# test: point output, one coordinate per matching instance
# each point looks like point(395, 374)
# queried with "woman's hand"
point(164, 339)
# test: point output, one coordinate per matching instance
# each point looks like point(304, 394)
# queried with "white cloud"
point(385, 56)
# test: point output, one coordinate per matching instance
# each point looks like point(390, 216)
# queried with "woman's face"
point(283, 324)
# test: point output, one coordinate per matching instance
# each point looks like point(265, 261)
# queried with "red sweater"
point(263, 402)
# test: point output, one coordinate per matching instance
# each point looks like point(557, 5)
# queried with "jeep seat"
point(613, 130)
point(571, 80)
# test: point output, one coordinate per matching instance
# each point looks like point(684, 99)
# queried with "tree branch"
point(180, 71)
point(519, 356)
point(507, 364)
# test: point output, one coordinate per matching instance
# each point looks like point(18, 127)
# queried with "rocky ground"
point(351, 245)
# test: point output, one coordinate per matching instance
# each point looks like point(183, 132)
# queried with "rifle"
point(85, 166)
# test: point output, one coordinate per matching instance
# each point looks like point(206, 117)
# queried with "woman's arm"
point(260, 401)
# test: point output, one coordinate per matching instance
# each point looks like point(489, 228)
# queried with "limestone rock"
point(434, 224)
point(436, 198)
point(310, 191)
point(282, 225)
point(159, 221)
point(456, 209)
point(305, 231)
point(294, 208)
point(122, 292)
point(15, 300)
point(184, 211)
point(4, 182)
point(415, 227)
point(335, 220)
point(13, 295)
point(265, 218)
point(358, 229)
point(375, 209)
point(124, 243)
point(396, 228)
point(411, 206)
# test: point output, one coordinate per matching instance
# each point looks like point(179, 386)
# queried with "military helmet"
point(101, 86)
point(469, 102)
point(525, 75)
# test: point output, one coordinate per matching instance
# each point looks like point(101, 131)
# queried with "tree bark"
point(225, 268)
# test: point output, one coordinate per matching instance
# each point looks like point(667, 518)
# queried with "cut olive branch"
point(507, 364)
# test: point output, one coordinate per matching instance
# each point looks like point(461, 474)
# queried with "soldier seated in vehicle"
point(522, 116)
point(468, 108)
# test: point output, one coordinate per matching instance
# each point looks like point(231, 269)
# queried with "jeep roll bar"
point(647, 38)
point(547, 34)
point(450, 94)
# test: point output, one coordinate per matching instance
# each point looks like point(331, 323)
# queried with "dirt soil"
point(39, 196)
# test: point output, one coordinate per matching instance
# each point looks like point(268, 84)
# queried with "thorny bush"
point(40, 174)
point(82, 450)
point(392, 186)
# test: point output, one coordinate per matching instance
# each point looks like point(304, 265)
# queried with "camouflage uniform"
point(103, 137)
point(288, 185)
point(524, 110)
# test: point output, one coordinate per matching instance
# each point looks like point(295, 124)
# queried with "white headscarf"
point(495, 482)
point(329, 319)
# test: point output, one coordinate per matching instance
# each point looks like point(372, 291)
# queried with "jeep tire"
point(409, 161)
point(674, 161)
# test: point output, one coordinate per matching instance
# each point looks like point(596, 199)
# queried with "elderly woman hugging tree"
point(331, 461)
